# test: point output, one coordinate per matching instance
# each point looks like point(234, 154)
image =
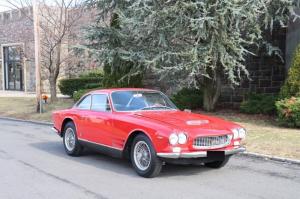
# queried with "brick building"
point(17, 65)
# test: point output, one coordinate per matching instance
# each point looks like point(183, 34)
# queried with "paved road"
point(33, 164)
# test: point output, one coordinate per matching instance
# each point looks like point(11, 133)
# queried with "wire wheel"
point(70, 139)
point(142, 155)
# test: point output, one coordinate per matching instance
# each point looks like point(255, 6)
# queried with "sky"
point(4, 6)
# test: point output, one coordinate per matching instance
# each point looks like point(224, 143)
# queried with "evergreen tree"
point(194, 42)
point(291, 87)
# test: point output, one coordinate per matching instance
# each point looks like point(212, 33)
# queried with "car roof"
point(110, 90)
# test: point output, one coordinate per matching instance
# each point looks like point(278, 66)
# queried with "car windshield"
point(141, 100)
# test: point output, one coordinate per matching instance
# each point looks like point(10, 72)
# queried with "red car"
point(146, 127)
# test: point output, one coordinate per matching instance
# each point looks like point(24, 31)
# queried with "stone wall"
point(267, 74)
point(17, 28)
point(292, 38)
point(76, 63)
point(81, 61)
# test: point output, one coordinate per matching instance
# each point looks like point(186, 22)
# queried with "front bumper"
point(197, 154)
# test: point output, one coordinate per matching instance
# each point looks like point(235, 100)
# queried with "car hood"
point(187, 121)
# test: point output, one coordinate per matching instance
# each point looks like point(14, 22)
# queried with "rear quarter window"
point(85, 103)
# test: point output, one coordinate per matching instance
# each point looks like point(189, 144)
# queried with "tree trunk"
point(54, 76)
point(211, 92)
point(53, 91)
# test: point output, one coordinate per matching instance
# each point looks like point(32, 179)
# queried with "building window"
point(13, 68)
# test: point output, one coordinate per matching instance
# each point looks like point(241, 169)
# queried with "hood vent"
point(196, 122)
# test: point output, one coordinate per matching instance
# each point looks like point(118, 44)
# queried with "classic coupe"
point(144, 126)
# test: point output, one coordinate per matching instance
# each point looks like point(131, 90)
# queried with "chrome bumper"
point(198, 154)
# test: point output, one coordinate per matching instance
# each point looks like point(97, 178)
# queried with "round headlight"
point(242, 133)
point(235, 133)
point(182, 138)
point(173, 139)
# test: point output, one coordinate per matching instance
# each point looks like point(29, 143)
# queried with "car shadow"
point(88, 157)
point(116, 165)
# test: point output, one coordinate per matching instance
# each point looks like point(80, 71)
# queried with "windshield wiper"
point(155, 107)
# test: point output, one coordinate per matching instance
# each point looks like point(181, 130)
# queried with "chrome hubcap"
point(142, 155)
point(70, 139)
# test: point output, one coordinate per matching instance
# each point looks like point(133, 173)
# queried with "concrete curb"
point(246, 153)
point(27, 121)
point(270, 157)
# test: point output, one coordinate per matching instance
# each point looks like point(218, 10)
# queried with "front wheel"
point(217, 164)
point(143, 157)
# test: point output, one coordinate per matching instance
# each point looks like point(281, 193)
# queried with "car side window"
point(85, 103)
point(100, 103)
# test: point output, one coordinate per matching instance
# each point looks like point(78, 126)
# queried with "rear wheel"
point(71, 144)
point(143, 157)
point(217, 164)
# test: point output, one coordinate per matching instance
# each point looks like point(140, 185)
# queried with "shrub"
point(69, 86)
point(291, 85)
point(93, 85)
point(259, 104)
point(88, 87)
point(188, 98)
point(78, 94)
point(92, 79)
point(288, 112)
point(92, 74)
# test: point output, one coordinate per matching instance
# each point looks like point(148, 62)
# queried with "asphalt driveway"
point(33, 164)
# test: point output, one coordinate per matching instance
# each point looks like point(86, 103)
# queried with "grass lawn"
point(25, 108)
point(264, 136)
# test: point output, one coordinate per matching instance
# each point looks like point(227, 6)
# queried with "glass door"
point(13, 68)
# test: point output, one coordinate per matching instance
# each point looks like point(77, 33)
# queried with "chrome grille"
point(212, 142)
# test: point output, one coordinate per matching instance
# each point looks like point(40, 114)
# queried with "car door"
point(82, 111)
point(100, 120)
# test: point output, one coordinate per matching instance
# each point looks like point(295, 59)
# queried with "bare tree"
point(57, 20)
